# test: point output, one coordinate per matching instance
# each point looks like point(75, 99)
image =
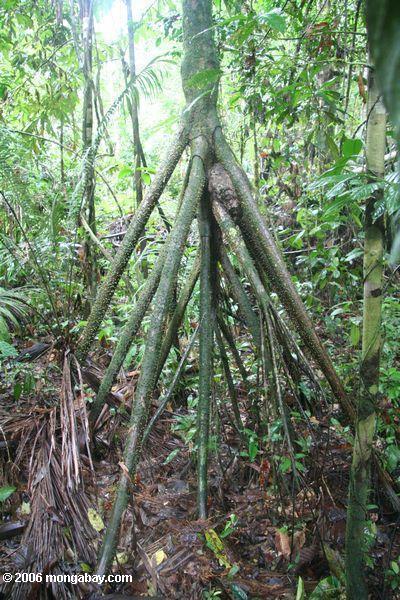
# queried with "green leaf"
point(355, 334)
point(253, 449)
point(383, 23)
point(233, 571)
point(393, 457)
point(238, 593)
point(395, 567)
point(327, 588)
point(351, 147)
point(274, 19)
point(125, 171)
point(353, 254)
point(145, 177)
point(286, 465)
point(215, 544)
point(17, 391)
point(6, 491)
point(337, 311)
point(171, 456)
point(29, 383)
point(300, 590)
point(86, 568)
point(234, 99)
point(4, 332)
point(332, 146)
point(7, 350)
point(95, 520)
point(229, 526)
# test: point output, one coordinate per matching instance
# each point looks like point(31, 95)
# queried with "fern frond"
point(13, 305)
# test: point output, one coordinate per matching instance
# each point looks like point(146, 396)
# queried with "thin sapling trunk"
point(356, 586)
point(133, 109)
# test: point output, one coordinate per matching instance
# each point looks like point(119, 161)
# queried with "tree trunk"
point(206, 321)
point(87, 141)
point(371, 346)
point(127, 335)
point(202, 126)
point(179, 311)
point(133, 109)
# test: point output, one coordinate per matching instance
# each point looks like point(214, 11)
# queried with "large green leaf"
point(383, 22)
point(7, 350)
point(351, 147)
point(6, 491)
point(275, 19)
point(202, 78)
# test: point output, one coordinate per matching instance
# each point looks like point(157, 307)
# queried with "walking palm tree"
point(219, 192)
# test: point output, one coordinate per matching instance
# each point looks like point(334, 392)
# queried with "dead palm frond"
point(49, 443)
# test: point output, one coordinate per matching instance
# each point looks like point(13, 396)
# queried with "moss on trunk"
point(206, 320)
point(356, 585)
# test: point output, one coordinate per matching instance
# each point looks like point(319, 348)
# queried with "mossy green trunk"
point(206, 321)
point(179, 311)
point(88, 204)
point(237, 245)
point(200, 66)
point(371, 346)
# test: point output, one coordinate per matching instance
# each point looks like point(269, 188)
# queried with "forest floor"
point(263, 530)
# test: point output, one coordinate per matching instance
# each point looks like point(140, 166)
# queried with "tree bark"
point(206, 320)
point(87, 141)
point(356, 585)
point(133, 105)
point(179, 311)
point(127, 335)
